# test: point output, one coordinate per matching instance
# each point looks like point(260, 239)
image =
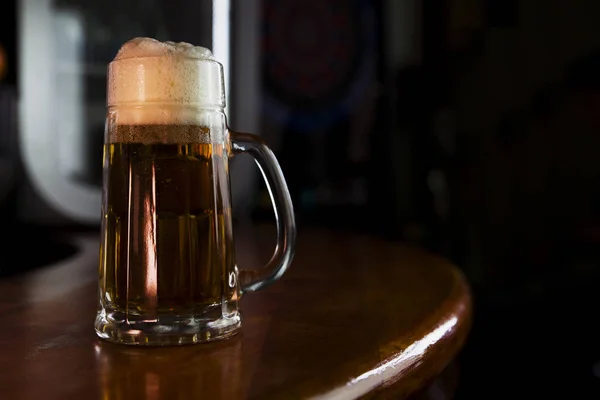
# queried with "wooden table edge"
point(412, 367)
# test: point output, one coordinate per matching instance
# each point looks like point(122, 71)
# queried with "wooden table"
point(354, 316)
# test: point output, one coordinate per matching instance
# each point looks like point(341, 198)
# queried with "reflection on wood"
point(354, 316)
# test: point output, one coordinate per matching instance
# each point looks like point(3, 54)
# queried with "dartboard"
point(318, 59)
point(3, 62)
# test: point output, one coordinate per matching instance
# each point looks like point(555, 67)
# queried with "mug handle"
point(252, 280)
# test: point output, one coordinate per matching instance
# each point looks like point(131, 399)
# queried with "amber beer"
point(167, 270)
point(166, 193)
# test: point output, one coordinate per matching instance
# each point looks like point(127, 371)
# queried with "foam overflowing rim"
point(165, 73)
point(146, 45)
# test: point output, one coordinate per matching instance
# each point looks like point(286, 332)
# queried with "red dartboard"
point(319, 57)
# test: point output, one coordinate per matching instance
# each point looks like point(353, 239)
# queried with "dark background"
point(470, 128)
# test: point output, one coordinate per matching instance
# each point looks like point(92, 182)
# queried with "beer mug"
point(167, 271)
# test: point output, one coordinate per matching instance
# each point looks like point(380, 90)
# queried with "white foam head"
point(148, 72)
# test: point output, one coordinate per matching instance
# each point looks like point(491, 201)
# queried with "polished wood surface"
point(354, 316)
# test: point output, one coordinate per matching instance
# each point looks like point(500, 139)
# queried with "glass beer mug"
point(167, 270)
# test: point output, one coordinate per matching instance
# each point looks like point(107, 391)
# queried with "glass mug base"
point(117, 327)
